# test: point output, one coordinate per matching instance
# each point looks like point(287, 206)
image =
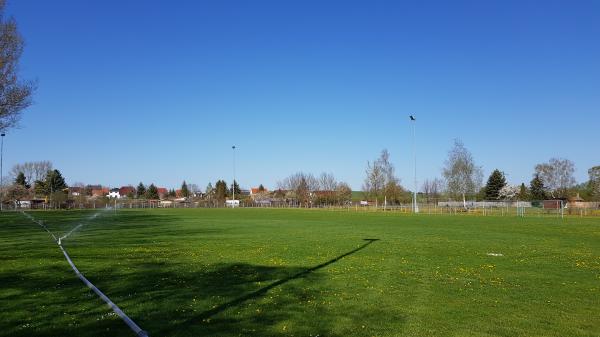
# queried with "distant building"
point(162, 192)
point(76, 191)
point(166, 203)
point(232, 203)
point(257, 195)
point(99, 192)
point(256, 190)
point(126, 190)
point(114, 193)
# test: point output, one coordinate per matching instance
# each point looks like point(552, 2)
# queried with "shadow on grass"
point(50, 301)
point(168, 300)
point(262, 291)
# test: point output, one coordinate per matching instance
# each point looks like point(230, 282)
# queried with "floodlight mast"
point(413, 120)
point(233, 184)
point(1, 172)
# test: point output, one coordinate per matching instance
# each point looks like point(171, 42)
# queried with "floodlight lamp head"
point(3, 134)
point(412, 118)
point(233, 147)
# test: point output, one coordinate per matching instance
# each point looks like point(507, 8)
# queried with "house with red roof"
point(100, 192)
point(126, 190)
point(162, 192)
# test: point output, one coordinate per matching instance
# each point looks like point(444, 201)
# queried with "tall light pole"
point(414, 122)
point(233, 185)
point(1, 171)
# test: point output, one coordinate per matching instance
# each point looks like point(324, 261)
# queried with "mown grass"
point(260, 272)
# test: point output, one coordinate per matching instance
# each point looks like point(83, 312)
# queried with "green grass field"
point(260, 272)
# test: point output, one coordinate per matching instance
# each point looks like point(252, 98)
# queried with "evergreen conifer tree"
point(54, 182)
point(185, 192)
point(21, 180)
point(523, 192)
point(141, 190)
point(152, 192)
point(494, 184)
point(537, 189)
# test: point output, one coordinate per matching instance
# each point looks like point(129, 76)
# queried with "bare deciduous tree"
point(463, 177)
point(302, 184)
point(381, 180)
point(557, 176)
point(194, 189)
point(33, 171)
point(344, 193)
point(327, 182)
point(432, 189)
point(594, 182)
point(375, 180)
point(15, 95)
point(16, 193)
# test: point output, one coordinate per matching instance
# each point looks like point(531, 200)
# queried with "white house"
point(114, 193)
point(232, 203)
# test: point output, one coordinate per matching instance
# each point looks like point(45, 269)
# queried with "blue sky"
point(158, 91)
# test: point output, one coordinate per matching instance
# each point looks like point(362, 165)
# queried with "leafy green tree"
point(495, 183)
point(54, 182)
point(152, 192)
point(185, 192)
point(141, 190)
point(235, 188)
point(537, 190)
point(221, 190)
point(58, 198)
point(523, 192)
point(21, 180)
point(39, 188)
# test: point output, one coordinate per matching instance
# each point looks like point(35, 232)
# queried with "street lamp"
point(1, 172)
point(414, 122)
point(233, 185)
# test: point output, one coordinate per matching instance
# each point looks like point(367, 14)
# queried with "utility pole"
point(233, 185)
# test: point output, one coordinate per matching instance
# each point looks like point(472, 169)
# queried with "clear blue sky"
point(158, 91)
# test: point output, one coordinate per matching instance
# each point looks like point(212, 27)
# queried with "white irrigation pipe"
point(130, 323)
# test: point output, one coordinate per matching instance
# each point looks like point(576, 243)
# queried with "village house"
point(114, 193)
point(100, 192)
point(126, 190)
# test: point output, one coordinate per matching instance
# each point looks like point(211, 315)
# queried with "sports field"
point(259, 272)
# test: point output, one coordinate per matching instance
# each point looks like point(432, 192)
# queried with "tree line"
point(550, 180)
point(462, 179)
point(306, 189)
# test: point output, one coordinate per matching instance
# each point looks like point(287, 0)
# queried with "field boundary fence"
point(557, 208)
